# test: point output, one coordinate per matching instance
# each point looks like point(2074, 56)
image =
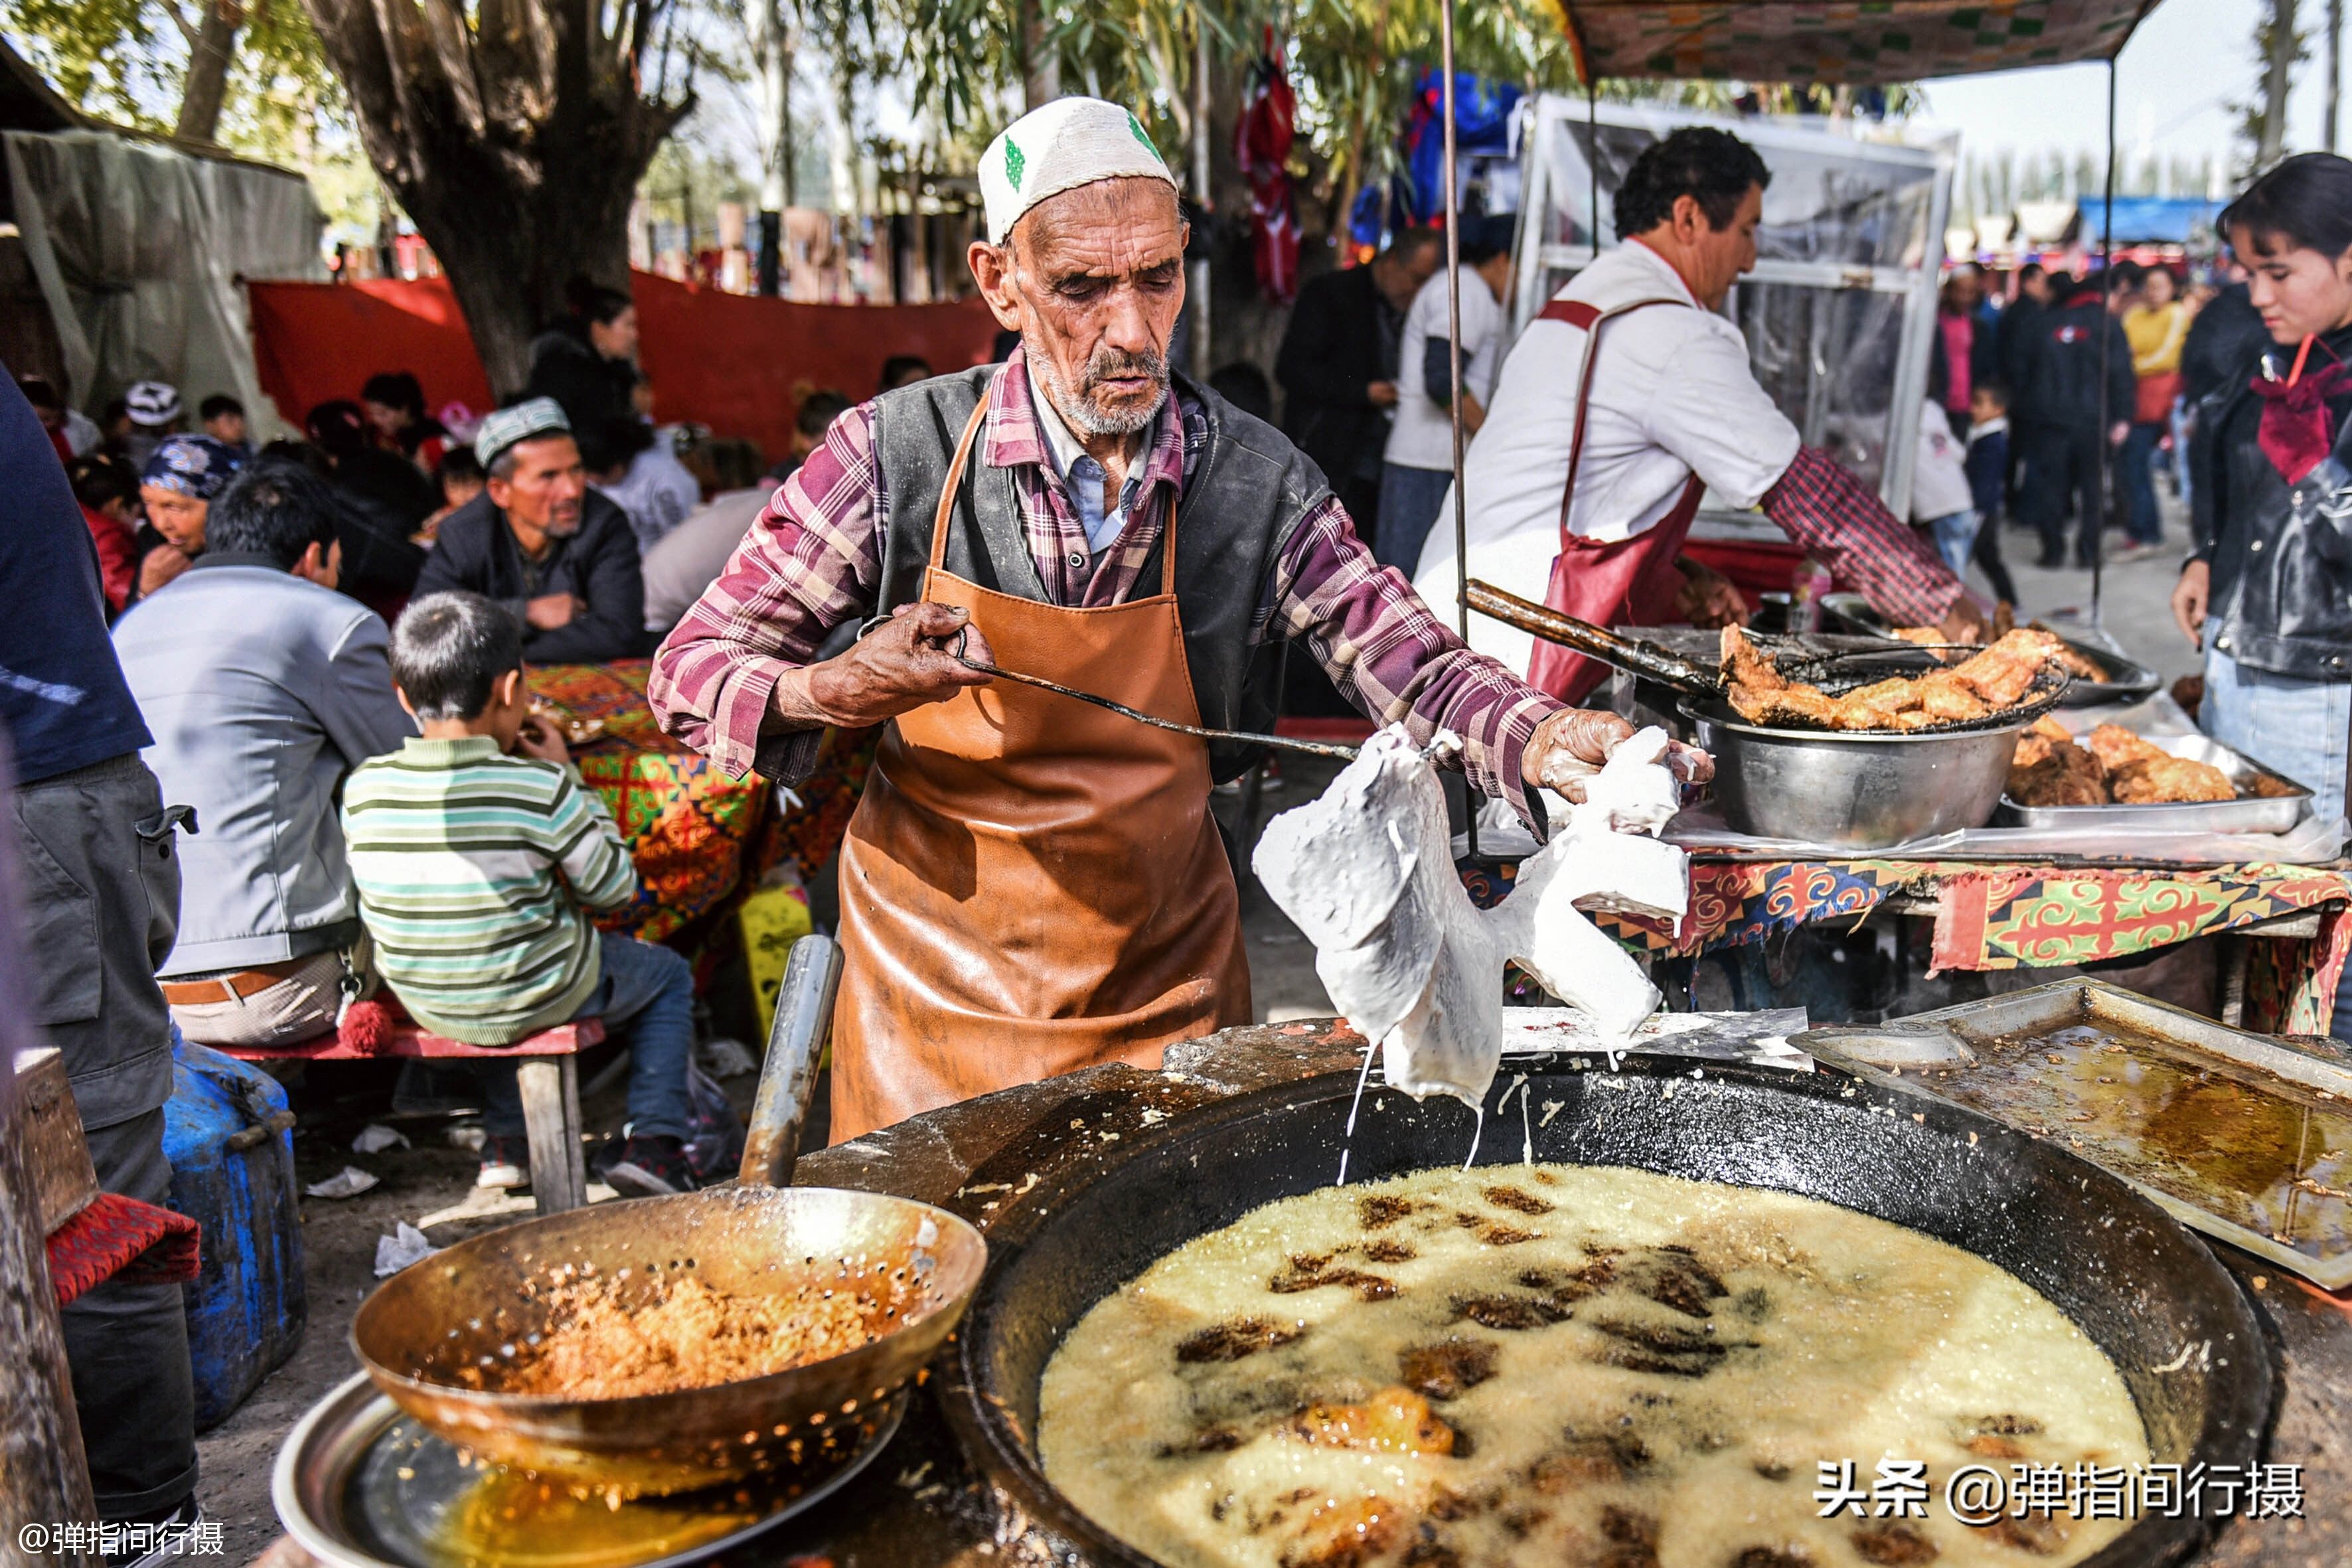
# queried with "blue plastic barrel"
point(233, 1172)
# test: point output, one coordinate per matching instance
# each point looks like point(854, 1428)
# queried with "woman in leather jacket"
point(2268, 593)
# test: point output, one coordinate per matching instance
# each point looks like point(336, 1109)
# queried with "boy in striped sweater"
point(478, 852)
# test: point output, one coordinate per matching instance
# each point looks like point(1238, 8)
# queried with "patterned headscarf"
point(195, 466)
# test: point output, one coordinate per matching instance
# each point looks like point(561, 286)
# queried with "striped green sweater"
point(474, 870)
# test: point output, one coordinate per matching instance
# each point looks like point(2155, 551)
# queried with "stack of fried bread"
point(2112, 766)
point(2077, 664)
point(1978, 688)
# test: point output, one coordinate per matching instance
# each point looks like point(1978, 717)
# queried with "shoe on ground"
point(2048, 563)
point(152, 1539)
point(506, 1162)
point(652, 1166)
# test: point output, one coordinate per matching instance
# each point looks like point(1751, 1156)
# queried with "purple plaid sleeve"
point(1825, 508)
point(811, 561)
point(1389, 655)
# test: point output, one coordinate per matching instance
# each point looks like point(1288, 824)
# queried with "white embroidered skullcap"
point(1069, 143)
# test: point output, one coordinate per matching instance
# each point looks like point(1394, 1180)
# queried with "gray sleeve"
point(354, 699)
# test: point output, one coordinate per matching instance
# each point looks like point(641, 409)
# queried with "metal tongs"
point(1645, 659)
point(1281, 743)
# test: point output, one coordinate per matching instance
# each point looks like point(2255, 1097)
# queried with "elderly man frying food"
point(1032, 884)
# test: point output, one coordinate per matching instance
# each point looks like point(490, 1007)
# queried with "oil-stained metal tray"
point(2236, 1135)
point(2250, 813)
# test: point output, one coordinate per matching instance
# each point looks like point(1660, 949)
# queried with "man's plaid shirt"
point(813, 560)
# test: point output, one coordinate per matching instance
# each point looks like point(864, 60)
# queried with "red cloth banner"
point(736, 362)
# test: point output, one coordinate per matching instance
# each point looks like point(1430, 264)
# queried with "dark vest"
point(1245, 497)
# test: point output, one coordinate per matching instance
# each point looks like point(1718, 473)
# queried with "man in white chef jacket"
point(1628, 398)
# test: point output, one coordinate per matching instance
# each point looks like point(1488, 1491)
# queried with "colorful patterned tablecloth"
point(696, 834)
point(2011, 917)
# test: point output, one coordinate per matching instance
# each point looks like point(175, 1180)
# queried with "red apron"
point(1619, 583)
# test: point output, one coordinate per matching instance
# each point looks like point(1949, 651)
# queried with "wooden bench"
point(546, 1072)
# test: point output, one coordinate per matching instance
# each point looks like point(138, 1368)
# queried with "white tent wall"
point(140, 251)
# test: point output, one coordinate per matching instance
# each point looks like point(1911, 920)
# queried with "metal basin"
point(2128, 1274)
point(1848, 790)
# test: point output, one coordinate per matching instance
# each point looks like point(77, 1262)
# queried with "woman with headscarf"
point(2268, 593)
point(176, 488)
point(394, 404)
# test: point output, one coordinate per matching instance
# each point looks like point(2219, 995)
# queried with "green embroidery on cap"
point(1137, 126)
point(1014, 163)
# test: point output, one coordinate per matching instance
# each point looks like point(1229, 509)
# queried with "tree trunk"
point(208, 61)
point(513, 134)
point(2331, 101)
point(1041, 64)
point(771, 43)
point(2281, 46)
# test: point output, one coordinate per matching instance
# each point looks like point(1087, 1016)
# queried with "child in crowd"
point(476, 853)
point(1939, 490)
point(459, 475)
point(1987, 469)
point(224, 421)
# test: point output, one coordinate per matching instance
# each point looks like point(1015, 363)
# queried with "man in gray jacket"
point(263, 687)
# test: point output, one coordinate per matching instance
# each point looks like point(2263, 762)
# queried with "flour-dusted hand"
point(1572, 745)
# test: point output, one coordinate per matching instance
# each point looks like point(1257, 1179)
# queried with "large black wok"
point(2132, 1278)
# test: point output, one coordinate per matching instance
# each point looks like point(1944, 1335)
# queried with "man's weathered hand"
point(2190, 599)
point(1382, 393)
point(901, 666)
point(550, 612)
point(1569, 747)
point(1709, 599)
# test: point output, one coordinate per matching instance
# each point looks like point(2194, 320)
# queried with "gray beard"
point(1082, 416)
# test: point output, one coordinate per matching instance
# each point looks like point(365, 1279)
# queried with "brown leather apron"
point(1031, 884)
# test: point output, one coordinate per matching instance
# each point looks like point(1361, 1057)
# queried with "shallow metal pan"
point(2126, 679)
point(2247, 813)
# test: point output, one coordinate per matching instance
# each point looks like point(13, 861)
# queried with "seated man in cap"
point(155, 414)
point(1032, 885)
point(539, 540)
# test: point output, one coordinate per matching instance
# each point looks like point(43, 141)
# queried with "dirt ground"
point(340, 1237)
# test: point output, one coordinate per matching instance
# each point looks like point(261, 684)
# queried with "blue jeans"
point(2180, 481)
point(1955, 534)
point(1410, 499)
point(2135, 467)
point(645, 995)
point(2299, 727)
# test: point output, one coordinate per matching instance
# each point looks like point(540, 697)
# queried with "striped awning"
point(1841, 42)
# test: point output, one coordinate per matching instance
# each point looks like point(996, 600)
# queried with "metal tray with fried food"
point(2234, 1134)
point(2267, 802)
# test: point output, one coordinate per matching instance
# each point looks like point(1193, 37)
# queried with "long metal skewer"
point(1283, 742)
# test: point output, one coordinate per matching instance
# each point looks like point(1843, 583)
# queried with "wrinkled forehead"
point(1107, 229)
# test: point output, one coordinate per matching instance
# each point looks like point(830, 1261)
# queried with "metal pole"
point(2107, 325)
point(1453, 356)
point(1592, 159)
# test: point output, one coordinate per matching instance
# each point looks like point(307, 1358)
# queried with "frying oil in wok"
point(1566, 1365)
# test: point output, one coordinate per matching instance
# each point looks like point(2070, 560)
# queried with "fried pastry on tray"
point(2049, 768)
point(2160, 779)
point(2118, 747)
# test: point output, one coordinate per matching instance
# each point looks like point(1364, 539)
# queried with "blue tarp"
point(2159, 220)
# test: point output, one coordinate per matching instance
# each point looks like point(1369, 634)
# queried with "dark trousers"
point(1986, 553)
point(2063, 465)
point(102, 883)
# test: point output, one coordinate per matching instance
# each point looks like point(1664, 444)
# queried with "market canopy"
point(1841, 42)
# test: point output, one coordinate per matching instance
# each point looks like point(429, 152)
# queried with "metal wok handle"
point(772, 1146)
point(1641, 658)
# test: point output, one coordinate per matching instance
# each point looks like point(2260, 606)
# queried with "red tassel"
point(366, 1028)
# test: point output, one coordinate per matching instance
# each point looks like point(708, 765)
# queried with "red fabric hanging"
point(1261, 137)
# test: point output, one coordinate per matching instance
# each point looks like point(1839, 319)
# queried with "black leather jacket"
point(2282, 578)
